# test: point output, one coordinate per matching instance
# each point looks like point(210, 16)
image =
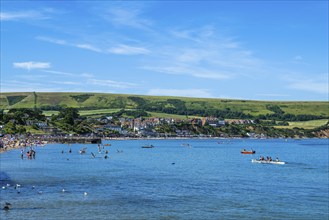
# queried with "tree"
point(68, 115)
point(10, 128)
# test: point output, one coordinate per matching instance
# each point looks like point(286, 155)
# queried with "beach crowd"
point(8, 142)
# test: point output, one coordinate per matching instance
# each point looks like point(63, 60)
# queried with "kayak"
point(268, 162)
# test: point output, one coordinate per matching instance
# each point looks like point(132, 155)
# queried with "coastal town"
point(26, 127)
point(109, 128)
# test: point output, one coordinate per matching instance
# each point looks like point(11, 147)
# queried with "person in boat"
point(277, 159)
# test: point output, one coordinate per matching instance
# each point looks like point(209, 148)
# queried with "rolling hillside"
point(93, 101)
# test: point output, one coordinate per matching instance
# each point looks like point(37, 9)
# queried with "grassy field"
point(86, 112)
point(103, 101)
point(305, 124)
point(50, 113)
point(164, 115)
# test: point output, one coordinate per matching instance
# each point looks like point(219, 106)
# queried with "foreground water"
point(177, 179)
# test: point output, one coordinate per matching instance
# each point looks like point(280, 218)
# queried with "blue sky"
point(253, 50)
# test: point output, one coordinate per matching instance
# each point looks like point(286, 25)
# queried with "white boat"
point(268, 162)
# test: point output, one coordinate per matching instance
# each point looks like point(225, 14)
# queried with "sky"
point(251, 50)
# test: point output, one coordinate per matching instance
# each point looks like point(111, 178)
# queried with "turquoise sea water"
point(209, 179)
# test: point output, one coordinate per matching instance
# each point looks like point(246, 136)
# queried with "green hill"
point(161, 104)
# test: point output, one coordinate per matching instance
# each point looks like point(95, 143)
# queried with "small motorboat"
point(268, 161)
point(248, 151)
point(148, 146)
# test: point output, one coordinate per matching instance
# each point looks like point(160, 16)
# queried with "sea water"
point(177, 179)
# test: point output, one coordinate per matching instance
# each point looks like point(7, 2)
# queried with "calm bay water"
point(209, 179)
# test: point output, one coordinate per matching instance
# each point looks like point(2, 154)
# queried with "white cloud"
point(203, 53)
point(13, 16)
point(121, 49)
point(52, 40)
point(85, 75)
point(197, 35)
point(128, 50)
point(60, 73)
point(66, 43)
point(194, 71)
point(88, 47)
point(127, 17)
point(31, 65)
point(114, 84)
point(199, 93)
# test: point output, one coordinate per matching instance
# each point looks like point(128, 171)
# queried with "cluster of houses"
point(146, 127)
point(141, 127)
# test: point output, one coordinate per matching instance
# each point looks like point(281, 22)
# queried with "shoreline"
point(16, 144)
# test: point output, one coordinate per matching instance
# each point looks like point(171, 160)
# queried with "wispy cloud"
point(25, 86)
point(120, 49)
point(27, 15)
point(197, 35)
point(66, 43)
point(66, 82)
point(61, 73)
point(200, 93)
point(130, 16)
point(32, 65)
point(317, 84)
point(195, 71)
point(52, 40)
point(59, 79)
point(14, 16)
point(87, 75)
point(88, 47)
point(89, 79)
point(113, 84)
point(128, 50)
point(202, 53)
